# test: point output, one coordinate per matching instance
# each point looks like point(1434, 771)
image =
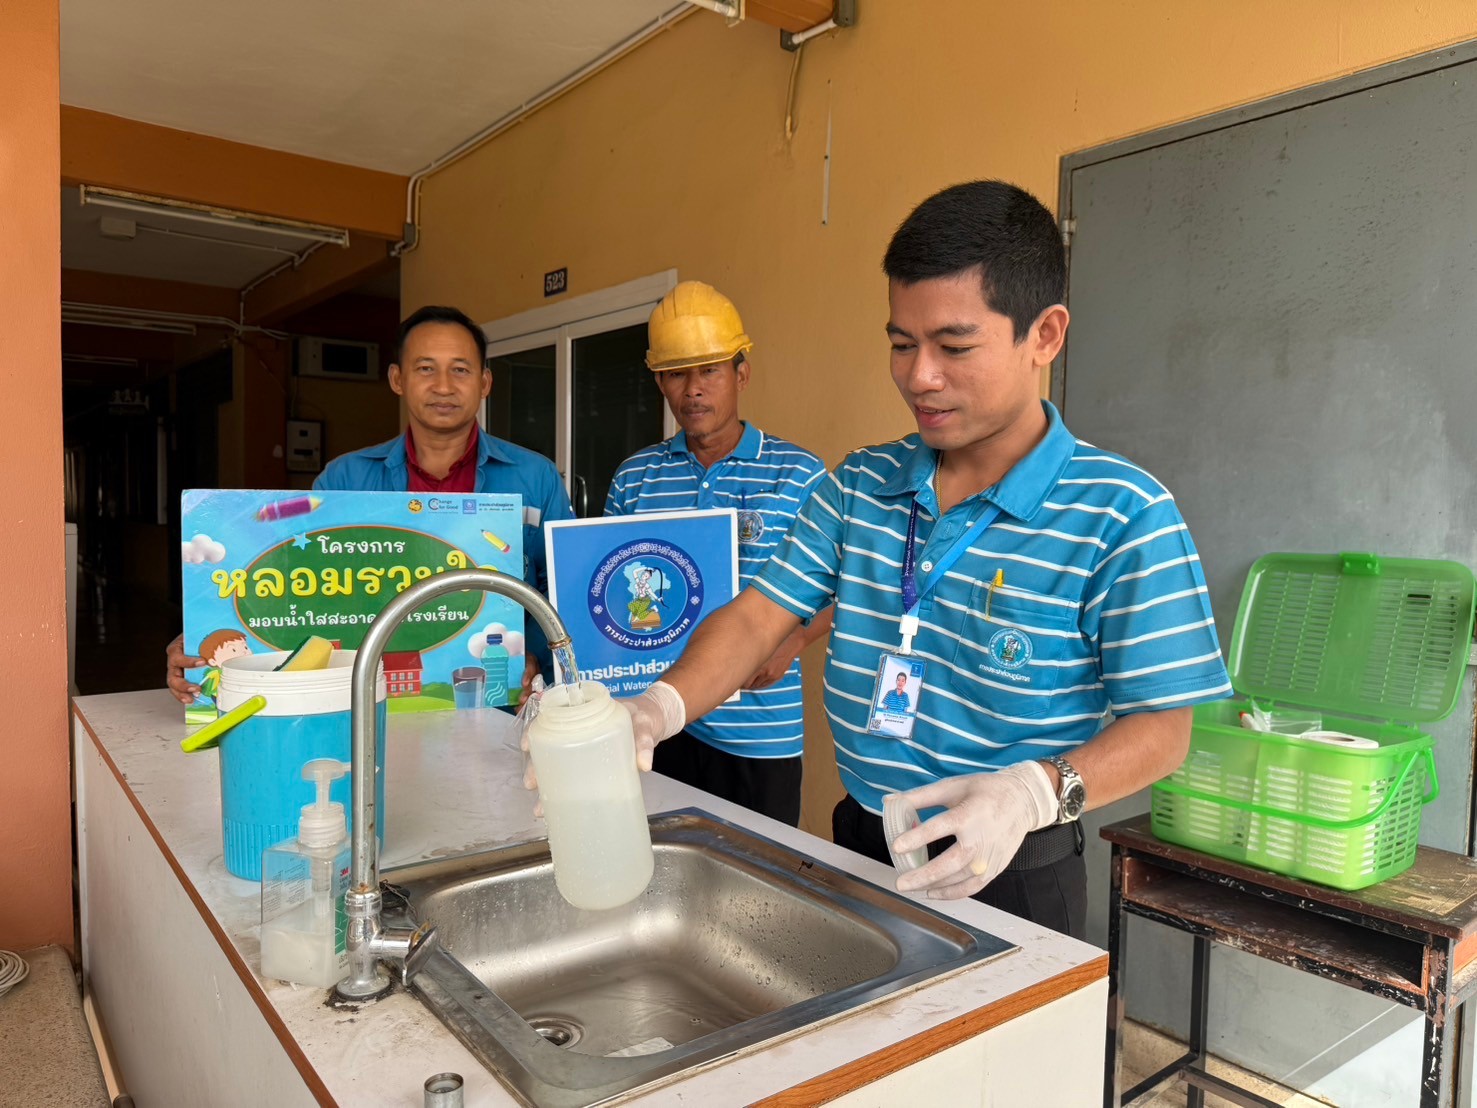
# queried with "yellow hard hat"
point(695, 324)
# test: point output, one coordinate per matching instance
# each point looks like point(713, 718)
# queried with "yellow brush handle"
point(209, 735)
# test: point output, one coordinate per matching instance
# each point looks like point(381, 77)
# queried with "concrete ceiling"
point(384, 84)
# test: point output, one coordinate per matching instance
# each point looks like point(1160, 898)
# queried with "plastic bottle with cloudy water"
point(584, 754)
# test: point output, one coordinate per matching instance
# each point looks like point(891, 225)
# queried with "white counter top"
point(454, 787)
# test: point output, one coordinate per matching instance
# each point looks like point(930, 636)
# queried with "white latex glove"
point(656, 715)
point(989, 814)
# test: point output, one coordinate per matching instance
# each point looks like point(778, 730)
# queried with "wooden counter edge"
point(817, 1090)
point(907, 1052)
point(248, 976)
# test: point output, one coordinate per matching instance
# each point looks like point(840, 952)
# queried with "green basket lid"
point(1357, 634)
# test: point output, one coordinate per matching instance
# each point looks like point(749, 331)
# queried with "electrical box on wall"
point(341, 359)
point(304, 446)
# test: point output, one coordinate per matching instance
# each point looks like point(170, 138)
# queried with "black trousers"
point(769, 786)
point(1053, 895)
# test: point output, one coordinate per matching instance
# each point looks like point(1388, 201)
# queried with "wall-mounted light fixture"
point(149, 319)
point(90, 315)
point(159, 206)
point(731, 10)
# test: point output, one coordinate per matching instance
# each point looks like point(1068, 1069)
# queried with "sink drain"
point(560, 1032)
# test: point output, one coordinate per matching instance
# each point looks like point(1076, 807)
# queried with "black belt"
point(1049, 845)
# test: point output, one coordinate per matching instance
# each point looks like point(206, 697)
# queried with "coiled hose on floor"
point(13, 970)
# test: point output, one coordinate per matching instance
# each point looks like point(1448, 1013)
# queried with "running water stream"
point(566, 673)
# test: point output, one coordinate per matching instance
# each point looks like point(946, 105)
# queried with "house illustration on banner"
point(403, 672)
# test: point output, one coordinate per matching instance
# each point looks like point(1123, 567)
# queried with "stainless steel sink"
point(737, 940)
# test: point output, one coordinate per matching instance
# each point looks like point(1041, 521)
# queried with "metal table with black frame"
point(1411, 939)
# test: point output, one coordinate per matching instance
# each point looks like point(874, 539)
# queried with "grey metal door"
point(1275, 312)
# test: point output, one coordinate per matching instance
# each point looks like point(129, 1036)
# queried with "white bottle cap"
point(899, 816)
point(322, 823)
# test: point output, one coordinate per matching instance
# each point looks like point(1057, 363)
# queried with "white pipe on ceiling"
point(518, 114)
point(801, 37)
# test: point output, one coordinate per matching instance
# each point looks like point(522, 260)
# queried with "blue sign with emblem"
point(631, 589)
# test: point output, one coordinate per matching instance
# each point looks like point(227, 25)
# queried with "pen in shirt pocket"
point(995, 584)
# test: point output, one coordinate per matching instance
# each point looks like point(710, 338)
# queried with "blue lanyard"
point(913, 591)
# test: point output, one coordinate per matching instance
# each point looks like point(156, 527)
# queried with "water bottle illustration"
point(495, 665)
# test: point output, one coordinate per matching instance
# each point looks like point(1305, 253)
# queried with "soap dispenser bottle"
point(584, 753)
point(303, 884)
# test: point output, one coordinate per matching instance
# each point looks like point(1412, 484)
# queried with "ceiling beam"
point(323, 274)
point(790, 15)
point(108, 150)
point(156, 353)
point(85, 286)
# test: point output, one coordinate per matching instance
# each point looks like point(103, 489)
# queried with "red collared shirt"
point(461, 477)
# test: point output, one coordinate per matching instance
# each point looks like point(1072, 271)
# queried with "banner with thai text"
point(265, 570)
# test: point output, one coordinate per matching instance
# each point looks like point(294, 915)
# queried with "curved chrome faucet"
point(368, 940)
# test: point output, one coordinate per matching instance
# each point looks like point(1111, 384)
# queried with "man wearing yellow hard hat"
point(747, 751)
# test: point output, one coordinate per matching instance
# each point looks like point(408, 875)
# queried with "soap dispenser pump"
point(303, 884)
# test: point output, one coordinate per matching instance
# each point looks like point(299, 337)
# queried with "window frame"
point(559, 325)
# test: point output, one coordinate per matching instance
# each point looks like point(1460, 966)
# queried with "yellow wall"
point(676, 156)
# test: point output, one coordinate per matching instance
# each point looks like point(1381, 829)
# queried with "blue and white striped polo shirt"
point(1102, 607)
point(767, 480)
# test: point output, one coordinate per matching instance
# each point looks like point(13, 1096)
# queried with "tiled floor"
point(1146, 1050)
point(49, 1060)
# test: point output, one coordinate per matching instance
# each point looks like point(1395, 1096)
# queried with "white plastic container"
point(304, 929)
point(306, 717)
point(585, 757)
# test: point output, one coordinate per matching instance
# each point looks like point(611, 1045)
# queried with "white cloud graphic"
point(200, 549)
point(512, 640)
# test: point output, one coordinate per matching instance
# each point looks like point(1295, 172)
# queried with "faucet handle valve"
point(422, 945)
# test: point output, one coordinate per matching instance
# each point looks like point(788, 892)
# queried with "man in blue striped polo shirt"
point(896, 698)
point(1039, 584)
point(747, 751)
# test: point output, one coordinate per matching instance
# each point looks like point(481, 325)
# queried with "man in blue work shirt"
point(440, 371)
point(749, 751)
point(1039, 584)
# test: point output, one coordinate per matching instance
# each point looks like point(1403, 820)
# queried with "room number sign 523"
point(556, 282)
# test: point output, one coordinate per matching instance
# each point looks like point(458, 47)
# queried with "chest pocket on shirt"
point(1013, 661)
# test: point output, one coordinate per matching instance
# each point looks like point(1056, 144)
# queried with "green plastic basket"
point(1373, 640)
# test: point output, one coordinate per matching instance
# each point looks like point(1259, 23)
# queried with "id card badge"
point(895, 699)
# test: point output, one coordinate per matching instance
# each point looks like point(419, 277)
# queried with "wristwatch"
point(1071, 793)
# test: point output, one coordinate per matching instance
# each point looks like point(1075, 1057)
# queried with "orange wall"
point(676, 157)
point(88, 287)
point(35, 819)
